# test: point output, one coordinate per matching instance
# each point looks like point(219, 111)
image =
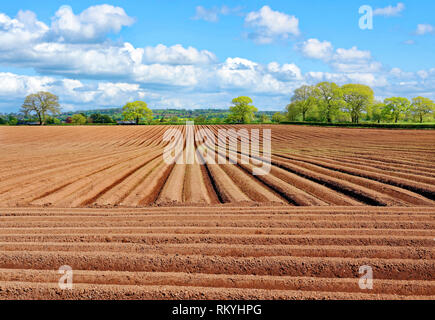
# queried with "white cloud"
point(93, 24)
point(352, 54)
point(177, 55)
point(423, 29)
point(350, 60)
point(243, 74)
point(369, 79)
point(390, 10)
point(315, 49)
point(12, 84)
point(24, 29)
point(212, 14)
point(90, 71)
point(409, 42)
point(270, 24)
point(399, 73)
point(285, 72)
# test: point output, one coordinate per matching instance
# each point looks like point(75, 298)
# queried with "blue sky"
point(199, 54)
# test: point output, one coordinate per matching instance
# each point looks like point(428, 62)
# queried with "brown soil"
point(101, 200)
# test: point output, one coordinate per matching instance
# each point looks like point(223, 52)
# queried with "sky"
point(201, 54)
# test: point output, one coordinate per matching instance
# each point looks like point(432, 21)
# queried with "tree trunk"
point(137, 120)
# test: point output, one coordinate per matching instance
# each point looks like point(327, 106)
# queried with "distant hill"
point(116, 113)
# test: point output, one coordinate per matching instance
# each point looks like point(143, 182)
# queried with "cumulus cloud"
point(270, 25)
point(390, 10)
point(13, 85)
point(93, 24)
point(423, 29)
point(212, 14)
point(73, 94)
point(351, 60)
point(243, 74)
point(89, 71)
point(177, 55)
point(316, 49)
point(24, 29)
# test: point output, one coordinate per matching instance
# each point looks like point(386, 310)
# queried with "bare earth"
point(102, 200)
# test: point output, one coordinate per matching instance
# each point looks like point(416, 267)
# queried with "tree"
point(78, 119)
point(12, 121)
point(41, 104)
point(422, 106)
point(52, 120)
point(137, 111)
point(174, 119)
point(200, 119)
point(292, 111)
point(375, 112)
point(100, 118)
point(242, 111)
point(329, 96)
point(305, 97)
point(357, 97)
point(264, 118)
point(396, 106)
point(278, 117)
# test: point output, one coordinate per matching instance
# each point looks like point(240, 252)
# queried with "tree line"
point(323, 102)
point(43, 108)
point(328, 102)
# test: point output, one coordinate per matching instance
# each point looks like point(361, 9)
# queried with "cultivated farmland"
point(103, 201)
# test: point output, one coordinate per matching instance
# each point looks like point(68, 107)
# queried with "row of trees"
point(327, 101)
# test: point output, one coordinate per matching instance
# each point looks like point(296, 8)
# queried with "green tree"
point(52, 120)
point(174, 119)
point(278, 117)
point(264, 118)
point(329, 96)
point(100, 118)
point(422, 106)
point(137, 111)
point(305, 98)
point(357, 97)
point(12, 121)
point(375, 112)
point(242, 111)
point(41, 103)
point(395, 107)
point(78, 119)
point(293, 111)
point(200, 119)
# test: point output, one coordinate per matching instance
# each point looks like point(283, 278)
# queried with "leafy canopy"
point(78, 119)
point(41, 104)
point(396, 106)
point(137, 111)
point(357, 97)
point(329, 96)
point(422, 106)
point(242, 111)
point(304, 97)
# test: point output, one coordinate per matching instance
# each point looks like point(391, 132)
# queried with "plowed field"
point(103, 201)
